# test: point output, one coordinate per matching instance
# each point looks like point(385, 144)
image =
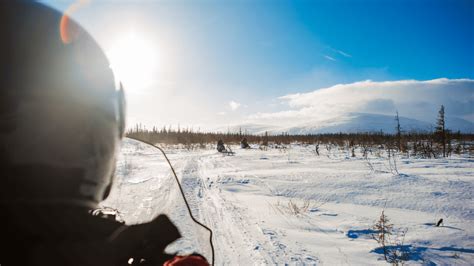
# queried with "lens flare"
point(70, 31)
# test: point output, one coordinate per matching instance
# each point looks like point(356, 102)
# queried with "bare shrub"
point(295, 207)
point(392, 161)
point(398, 252)
point(365, 154)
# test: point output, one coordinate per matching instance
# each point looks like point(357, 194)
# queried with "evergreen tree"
point(399, 132)
point(441, 129)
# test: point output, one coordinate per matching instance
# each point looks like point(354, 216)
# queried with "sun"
point(133, 60)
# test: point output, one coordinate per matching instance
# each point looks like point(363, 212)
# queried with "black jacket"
point(71, 236)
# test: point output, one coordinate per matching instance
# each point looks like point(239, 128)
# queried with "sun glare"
point(133, 60)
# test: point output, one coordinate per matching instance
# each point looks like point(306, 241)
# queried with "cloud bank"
point(234, 105)
point(412, 98)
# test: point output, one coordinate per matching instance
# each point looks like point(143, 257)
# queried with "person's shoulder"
point(62, 238)
point(44, 224)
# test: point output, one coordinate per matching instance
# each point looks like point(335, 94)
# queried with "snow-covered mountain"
point(362, 122)
point(455, 124)
point(353, 123)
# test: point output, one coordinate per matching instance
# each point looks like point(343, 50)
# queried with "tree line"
point(441, 142)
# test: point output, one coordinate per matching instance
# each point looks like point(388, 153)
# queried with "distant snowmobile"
point(223, 149)
point(220, 146)
point(244, 144)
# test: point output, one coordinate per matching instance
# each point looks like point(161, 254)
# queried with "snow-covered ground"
point(246, 200)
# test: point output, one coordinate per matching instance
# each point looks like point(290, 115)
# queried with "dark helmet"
point(61, 115)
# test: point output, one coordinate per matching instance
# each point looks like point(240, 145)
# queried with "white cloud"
point(329, 58)
point(234, 105)
point(343, 53)
point(412, 98)
point(339, 52)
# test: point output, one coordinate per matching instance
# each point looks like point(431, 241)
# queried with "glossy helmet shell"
point(61, 116)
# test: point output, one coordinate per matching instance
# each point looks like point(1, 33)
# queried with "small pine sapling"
point(383, 229)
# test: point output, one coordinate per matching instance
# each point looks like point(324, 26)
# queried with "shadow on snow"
point(416, 253)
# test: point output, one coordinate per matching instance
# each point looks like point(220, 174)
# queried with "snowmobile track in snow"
point(243, 199)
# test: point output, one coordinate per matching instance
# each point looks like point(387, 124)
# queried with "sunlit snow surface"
point(244, 199)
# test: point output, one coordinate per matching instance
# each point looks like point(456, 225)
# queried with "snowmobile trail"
point(245, 199)
point(226, 220)
point(234, 223)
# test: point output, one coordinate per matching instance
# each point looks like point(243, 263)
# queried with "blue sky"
point(211, 53)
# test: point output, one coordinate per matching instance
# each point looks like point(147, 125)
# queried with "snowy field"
point(293, 207)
